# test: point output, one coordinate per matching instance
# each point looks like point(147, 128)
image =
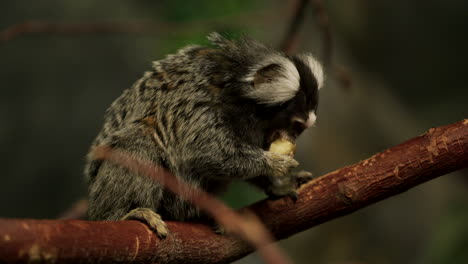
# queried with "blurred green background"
point(408, 63)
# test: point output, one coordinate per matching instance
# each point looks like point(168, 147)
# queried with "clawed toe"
point(219, 229)
point(303, 177)
point(150, 218)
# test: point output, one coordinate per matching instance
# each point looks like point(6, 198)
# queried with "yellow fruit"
point(283, 146)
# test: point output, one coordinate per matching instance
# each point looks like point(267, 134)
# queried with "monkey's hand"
point(285, 184)
point(281, 181)
point(281, 165)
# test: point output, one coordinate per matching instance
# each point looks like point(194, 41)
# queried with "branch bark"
point(439, 151)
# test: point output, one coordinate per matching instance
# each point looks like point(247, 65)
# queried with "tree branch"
point(324, 25)
point(441, 150)
point(56, 28)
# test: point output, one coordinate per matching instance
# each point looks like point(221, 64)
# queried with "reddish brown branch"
point(439, 151)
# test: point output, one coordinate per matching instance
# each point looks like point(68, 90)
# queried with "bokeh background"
point(407, 61)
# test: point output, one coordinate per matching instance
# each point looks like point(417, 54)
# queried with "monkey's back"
point(158, 119)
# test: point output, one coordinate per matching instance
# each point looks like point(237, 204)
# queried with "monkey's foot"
point(287, 186)
point(280, 187)
point(149, 217)
point(276, 192)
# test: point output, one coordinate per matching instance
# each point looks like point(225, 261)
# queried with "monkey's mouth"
point(275, 134)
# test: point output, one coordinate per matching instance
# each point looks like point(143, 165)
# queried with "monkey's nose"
point(299, 124)
point(311, 120)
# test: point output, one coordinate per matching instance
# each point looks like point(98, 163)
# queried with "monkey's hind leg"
point(149, 217)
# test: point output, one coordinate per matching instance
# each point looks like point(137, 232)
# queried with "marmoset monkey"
point(208, 115)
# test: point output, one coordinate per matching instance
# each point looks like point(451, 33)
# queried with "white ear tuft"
point(315, 67)
point(278, 89)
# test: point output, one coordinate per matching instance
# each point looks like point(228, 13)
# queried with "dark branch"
point(288, 45)
point(54, 28)
point(324, 25)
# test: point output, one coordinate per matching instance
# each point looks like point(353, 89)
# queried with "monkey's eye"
point(298, 125)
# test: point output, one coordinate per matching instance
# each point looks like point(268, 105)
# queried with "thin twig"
point(290, 40)
point(343, 76)
point(47, 27)
point(289, 43)
point(324, 25)
point(76, 211)
point(65, 28)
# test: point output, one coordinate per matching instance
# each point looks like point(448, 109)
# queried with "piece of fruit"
point(283, 146)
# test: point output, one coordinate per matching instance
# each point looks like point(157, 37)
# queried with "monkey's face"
point(297, 115)
point(290, 89)
point(291, 118)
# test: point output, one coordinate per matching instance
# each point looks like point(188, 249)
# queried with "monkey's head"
point(284, 88)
